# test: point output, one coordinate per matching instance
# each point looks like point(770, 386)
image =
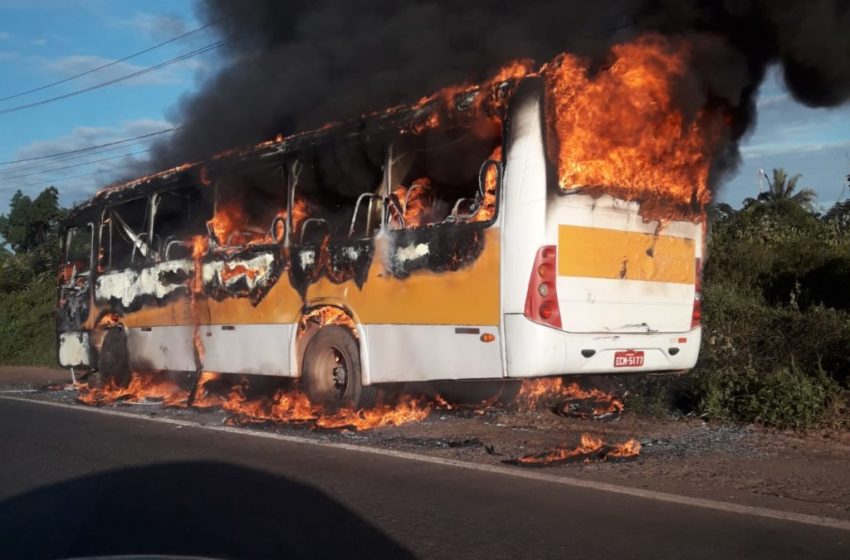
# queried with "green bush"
point(785, 397)
point(28, 328)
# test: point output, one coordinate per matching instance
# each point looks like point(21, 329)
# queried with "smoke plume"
point(294, 65)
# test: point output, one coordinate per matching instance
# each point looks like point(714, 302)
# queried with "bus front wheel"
point(113, 361)
point(331, 372)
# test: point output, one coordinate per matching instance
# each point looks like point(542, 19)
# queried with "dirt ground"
point(806, 473)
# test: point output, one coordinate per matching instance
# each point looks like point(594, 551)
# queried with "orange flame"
point(487, 208)
point(416, 202)
point(299, 213)
point(284, 406)
point(142, 386)
point(230, 271)
point(200, 246)
point(328, 315)
point(622, 129)
point(535, 391)
point(589, 449)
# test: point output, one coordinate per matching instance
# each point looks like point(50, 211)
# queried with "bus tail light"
point(541, 301)
point(696, 314)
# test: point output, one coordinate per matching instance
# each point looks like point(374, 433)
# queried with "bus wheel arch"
point(330, 357)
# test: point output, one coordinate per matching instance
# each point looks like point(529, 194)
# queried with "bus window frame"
point(67, 241)
point(388, 196)
point(216, 246)
point(107, 217)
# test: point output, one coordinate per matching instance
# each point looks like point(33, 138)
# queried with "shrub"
point(27, 331)
point(785, 397)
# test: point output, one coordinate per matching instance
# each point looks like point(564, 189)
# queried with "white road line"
point(493, 469)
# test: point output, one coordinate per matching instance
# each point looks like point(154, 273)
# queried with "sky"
point(43, 41)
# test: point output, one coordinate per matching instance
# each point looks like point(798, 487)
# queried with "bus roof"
point(274, 152)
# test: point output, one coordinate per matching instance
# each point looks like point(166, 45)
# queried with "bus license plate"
point(628, 358)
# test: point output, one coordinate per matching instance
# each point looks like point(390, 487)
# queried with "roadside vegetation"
point(776, 309)
point(776, 316)
point(29, 258)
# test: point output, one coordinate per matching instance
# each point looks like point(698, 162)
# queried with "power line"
point(36, 165)
point(42, 182)
point(107, 65)
point(180, 58)
point(90, 148)
point(53, 170)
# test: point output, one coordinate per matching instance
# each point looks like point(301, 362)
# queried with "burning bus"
point(547, 222)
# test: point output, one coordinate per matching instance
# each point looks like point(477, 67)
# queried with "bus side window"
point(249, 209)
point(181, 214)
point(77, 256)
point(436, 177)
point(124, 235)
point(339, 189)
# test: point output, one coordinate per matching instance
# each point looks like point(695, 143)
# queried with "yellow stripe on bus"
point(608, 253)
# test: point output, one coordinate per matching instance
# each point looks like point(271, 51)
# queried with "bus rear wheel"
point(331, 372)
point(113, 363)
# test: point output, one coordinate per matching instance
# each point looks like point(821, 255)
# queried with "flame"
point(415, 202)
point(535, 391)
point(407, 410)
point(231, 271)
point(200, 246)
point(143, 386)
point(622, 130)
point(283, 407)
point(108, 320)
point(231, 225)
point(328, 315)
point(589, 449)
point(299, 213)
point(295, 407)
point(487, 208)
point(204, 397)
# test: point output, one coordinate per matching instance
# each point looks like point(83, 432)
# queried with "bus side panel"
point(161, 348)
point(427, 325)
point(261, 349)
point(249, 336)
point(432, 352)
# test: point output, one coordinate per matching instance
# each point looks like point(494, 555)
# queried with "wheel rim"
point(332, 373)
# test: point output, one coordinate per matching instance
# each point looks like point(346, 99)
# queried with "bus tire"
point(330, 371)
point(113, 362)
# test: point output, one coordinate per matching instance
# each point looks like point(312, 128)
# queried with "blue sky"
point(42, 41)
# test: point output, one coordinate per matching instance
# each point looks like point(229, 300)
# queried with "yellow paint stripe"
point(608, 253)
point(469, 296)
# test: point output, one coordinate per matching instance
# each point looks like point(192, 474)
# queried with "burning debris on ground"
point(243, 407)
point(590, 449)
point(570, 399)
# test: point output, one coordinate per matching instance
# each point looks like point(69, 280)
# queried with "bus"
point(425, 243)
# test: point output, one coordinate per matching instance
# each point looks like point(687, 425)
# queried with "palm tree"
point(782, 188)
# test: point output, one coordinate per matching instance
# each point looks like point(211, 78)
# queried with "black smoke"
point(293, 65)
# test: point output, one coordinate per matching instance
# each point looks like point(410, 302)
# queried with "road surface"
point(76, 483)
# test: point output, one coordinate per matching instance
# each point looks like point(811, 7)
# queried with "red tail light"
point(541, 301)
point(696, 314)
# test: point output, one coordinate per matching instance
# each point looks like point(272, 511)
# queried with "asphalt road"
point(74, 483)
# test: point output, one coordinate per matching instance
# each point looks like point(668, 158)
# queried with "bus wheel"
point(330, 372)
point(113, 361)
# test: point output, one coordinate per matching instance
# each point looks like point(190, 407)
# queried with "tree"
point(781, 189)
point(32, 224)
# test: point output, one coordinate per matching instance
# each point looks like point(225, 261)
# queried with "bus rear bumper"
point(535, 350)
